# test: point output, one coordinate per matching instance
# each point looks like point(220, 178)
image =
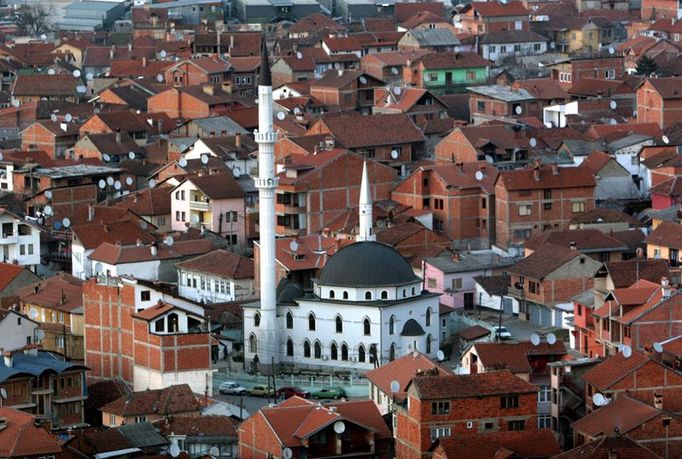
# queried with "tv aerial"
point(293, 246)
point(535, 339)
point(551, 338)
point(395, 154)
point(339, 427)
point(658, 347)
point(440, 355)
point(169, 241)
point(395, 386)
point(182, 162)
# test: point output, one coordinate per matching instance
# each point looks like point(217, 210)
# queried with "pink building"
point(214, 202)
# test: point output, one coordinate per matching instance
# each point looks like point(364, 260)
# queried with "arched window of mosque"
point(384, 295)
point(290, 320)
point(290, 348)
point(361, 353)
point(318, 350)
point(311, 321)
point(428, 317)
point(368, 295)
point(391, 353)
point(345, 295)
point(334, 351)
point(344, 352)
point(391, 325)
point(306, 349)
point(331, 294)
point(339, 324)
point(428, 344)
point(256, 320)
point(366, 326)
point(253, 344)
point(404, 292)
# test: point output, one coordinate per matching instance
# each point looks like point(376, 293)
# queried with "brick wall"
point(455, 145)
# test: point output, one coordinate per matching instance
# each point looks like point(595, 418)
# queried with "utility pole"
point(274, 386)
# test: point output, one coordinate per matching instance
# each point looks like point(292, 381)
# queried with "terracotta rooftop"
point(608, 446)
point(498, 9)
point(92, 235)
point(404, 10)
point(666, 234)
point(177, 399)
point(217, 186)
point(209, 425)
point(543, 88)
point(221, 263)
point(452, 60)
point(544, 260)
point(602, 215)
point(626, 273)
point(523, 444)
point(471, 385)
point(45, 85)
point(61, 292)
point(22, 438)
point(402, 370)
point(620, 416)
point(148, 201)
point(671, 188)
point(515, 356)
point(9, 272)
point(474, 332)
point(565, 177)
point(585, 240)
point(613, 369)
point(115, 254)
point(668, 88)
point(394, 58)
point(378, 130)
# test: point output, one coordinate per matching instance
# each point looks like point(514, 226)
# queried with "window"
point(492, 48)
point(345, 295)
point(484, 203)
point(290, 348)
point(440, 408)
point(439, 432)
point(361, 354)
point(533, 287)
point(366, 327)
point(503, 49)
point(139, 419)
point(177, 215)
point(339, 324)
point(525, 209)
point(522, 234)
point(391, 325)
point(517, 425)
point(318, 350)
point(112, 419)
point(59, 340)
point(431, 282)
point(433, 77)
point(384, 295)
point(182, 214)
point(428, 317)
point(334, 351)
point(517, 48)
point(331, 294)
point(368, 295)
point(544, 421)
point(311, 321)
point(306, 349)
point(30, 249)
point(509, 401)
point(518, 25)
point(145, 295)
point(22, 249)
point(578, 207)
point(256, 320)
point(457, 283)
point(391, 352)
point(290, 320)
point(547, 206)
point(547, 194)
point(480, 105)
point(344, 352)
point(544, 394)
point(253, 344)
point(580, 309)
point(536, 47)
point(428, 344)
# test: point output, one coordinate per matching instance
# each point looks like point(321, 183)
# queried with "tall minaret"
point(268, 339)
point(365, 232)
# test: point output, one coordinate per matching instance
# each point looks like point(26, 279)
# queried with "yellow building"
point(665, 242)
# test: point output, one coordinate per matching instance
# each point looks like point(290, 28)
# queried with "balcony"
point(199, 205)
point(8, 239)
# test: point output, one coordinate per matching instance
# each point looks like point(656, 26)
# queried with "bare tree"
point(34, 20)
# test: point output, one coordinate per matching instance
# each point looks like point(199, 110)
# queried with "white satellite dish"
point(612, 50)
point(339, 427)
point(53, 117)
point(182, 162)
point(395, 386)
point(363, 80)
point(40, 334)
point(394, 70)
point(131, 154)
point(68, 117)
point(66, 222)
point(33, 314)
point(395, 154)
point(214, 451)
point(551, 338)
point(518, 110)
point(3, 393)
point(297, 111)
point(98, 267)
point(76, 73)
point(50, 72)
point(102, 184)
point(48, 210)
point(174, 450)
point(440, 355)
point(287, 453)
point(143, 224)
point(48, 194)
point(152, 183)
point(163, 53)
point(535, 339)
point(81, 89)
point(489, 159)
point(613, 104)
point(89, 76)
point(194, 218)
point(281, 116)
point(397, 90)
point(110, 181)
point(43, 37)
point(159, 78)
point(598, 399)
point(293, 246)
point(169, 241)
point(204, 159)
point(236, 171)
point(627, 351)
point(533, 142)
point(129, 181)
point(551, 45)
point(16, 102)
point(665, 139)
point(613, 121)
point(117, 185)
point(658, 347)
point(478, 175)
point(299, 55)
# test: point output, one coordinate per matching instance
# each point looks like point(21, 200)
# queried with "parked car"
point(231, 388)
point(334, 392)
point(261, 391)
point(502, 332)
point(289, 391)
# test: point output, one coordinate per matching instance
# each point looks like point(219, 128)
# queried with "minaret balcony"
point(266, 182)
point(265, 137)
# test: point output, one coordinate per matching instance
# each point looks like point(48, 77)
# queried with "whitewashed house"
point(19, 240)
point(499, 45)
point(216, 277)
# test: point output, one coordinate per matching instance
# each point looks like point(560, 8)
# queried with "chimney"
point(208, 89)
point(536, 170)
point(154, 249)
point(658, 401)
point(150, 121)
point(118, 136)
point(455, 255)
point(144, 61)
point(573, 245)
point(665, 287)
point(111, 52)
point(555, 169)
point(138, 243)
point(340, 72)
point(238, 140)
point(63, 126)
point(8, 359)
point(91, 212)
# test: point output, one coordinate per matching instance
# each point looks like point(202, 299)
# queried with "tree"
point(646, 66)
point(34, 21)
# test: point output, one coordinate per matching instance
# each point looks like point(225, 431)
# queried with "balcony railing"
point(200, 205)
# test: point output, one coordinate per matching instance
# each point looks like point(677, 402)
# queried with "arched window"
point(290, 348)
point(366, 327)
point(368, 295)
point(331, 294)
point(253, 344)
point(361, 353)
point(339, 324)
point(428, 344)
point(391, 325)
point(428, 317)
point(404, 292)
point(384, 295)
point(345, 295)
point(311, 321)
point(413, 291)
point(334, 351)
point(391, 352)
point(318, 350)
point(306, 349)
point(344, 352)
point(290, 320)
point(256, 320)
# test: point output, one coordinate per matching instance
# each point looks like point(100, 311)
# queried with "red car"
point(289, 391)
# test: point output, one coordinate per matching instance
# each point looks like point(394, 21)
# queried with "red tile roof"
point(543, 261)
point(221, 263)
point(586, 240)
point(45, 85)
point(523, 444)
point(515, 356)
point(22, 438)
point(394, 58)
point(543, 88)
point(599, 131)
point(217, 186)
point(92, 235)
point(566, 177)
point(498, 9)
point(177, 399)
point(613, 369)
point(422, 17)
point(9, 272)
point(596, 161)
point(61, 292)
point(668, 88)
point(607, 447)
point(471, 385)
point(626, 273)
point(115, 254)
point(378, 130)
point(148, 201)
point(620, 416)
point(405, 10)
point(209, 425)
point(671, 188)
point(452, 60)
point(666, 234)
point(401, 370)
point(469, 333)
point(155, 311)
point(312, 253)
point(602, 215)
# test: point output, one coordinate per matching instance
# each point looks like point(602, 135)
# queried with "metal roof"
point(435, 37)
point(469, 261)
point(218, 124)
point(502, 93)
point(91, 6)
point(36, 365)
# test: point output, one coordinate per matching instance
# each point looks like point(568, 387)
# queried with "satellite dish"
point(613, 105)
point(98, 267)
point(117, 185)
point(395, 154)
point(478, 175)
point(110, 181)
point(40, 334)
point(395, 386)
point(339, 427)
point(43, 37)
point(287, 453)
point(102, 184)
point(48, 194)
point(627, 351)
point(48, 210)
point(194, 218)
point(214, 451)
point(293, 246)
point(397, 90)
point(53, 117)
point(236, 171)
point(152, 183)
point(182, 162)
point(159, 78)
point(363, 80)
point(611, 50)
point(57, 225)
point(658, 347)
point(89, 76)
point(68, 118)
point(50, 72)
point(3, 393)
point(174, 450)
point(551, 45)
point(518, 110)
point(299, 55)
point(129, 181)
point(66, 222)
point(81, 89)
point(131, 155)
point(440, 355)
point(665, 139)
point(489, 159)
point(281, 116)
point(533, 142)
point(394, 70)
point(169, 241)
point(204, 159)
point(598, 399)
point(163, 53)
point(551, 338)
point(76, 73)
point(613, 121)
point(143, 224)
point(535, 339)
point(297, 111)
point(33, 314)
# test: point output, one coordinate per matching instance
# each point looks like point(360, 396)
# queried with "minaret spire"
point(268, 336)
point(365, 232)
